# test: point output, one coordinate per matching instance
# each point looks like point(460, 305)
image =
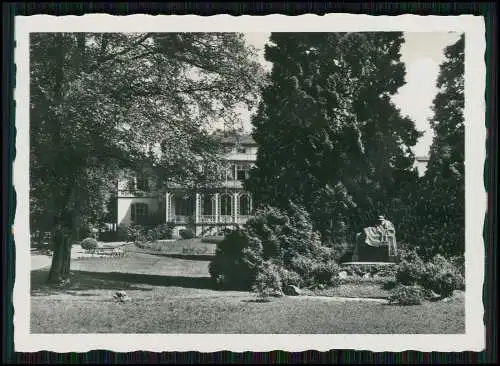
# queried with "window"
point(242, 172)
point(229, 173)
point(131, 184)
point(139, 212)
point(226, 205)
point(184, 206)
point(207, 206)
point(245, 205)
point(142, 184)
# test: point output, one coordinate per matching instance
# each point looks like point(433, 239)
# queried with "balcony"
point(242, 219)
point(226, 219)
point(207, 219)
point(180, 219)
point(210, 219)
point(136, 193)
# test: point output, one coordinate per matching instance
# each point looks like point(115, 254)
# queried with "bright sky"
point(422, 53)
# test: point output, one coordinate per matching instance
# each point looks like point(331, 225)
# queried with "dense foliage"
point(105, 102)
point(329, 136)
point(440, 275)
point(282, 240)
point(440, 208)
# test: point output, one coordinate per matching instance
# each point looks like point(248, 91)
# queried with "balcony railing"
point(181, 219)
point(210, 219)
point(207, 219)
point(136, 193)
point(226, 219)
point(242, 219)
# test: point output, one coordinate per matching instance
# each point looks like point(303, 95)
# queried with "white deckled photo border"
point(476, 196)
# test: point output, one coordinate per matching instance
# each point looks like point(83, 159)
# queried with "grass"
point(172, 295)
point(208, 313)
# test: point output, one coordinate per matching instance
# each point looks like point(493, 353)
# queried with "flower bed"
point(184, 246)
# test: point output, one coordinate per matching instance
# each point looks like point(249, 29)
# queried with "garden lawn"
point(171, 295)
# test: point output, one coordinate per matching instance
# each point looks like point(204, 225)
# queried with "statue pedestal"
point(371, 254)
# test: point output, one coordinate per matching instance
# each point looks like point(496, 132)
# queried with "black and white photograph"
point(249, 183)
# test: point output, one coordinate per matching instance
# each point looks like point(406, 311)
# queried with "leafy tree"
point(101, 103)
point(329, 137)
point(441, 207)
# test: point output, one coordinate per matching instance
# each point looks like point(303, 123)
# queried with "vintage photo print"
point(251, 183)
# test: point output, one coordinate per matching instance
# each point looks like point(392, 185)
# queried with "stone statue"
point(376, 243)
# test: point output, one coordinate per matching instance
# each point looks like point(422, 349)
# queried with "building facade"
point(228, 205)
point(209, 212)
point(421, 164)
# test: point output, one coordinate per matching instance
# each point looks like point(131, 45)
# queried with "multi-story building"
point(207, 212)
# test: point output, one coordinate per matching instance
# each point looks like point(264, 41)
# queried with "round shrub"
point(305, 268)
point(235, 261)
point(315, 272)
point(327, 273)
point(410, 272)
point(289, 277)
point(150, 235)
point(186, 234)
point(268, 281)
point(438, 275)
point(406, 295)
point(89, 243)
point(442, 276)
point(164, 231)
point(136, 233)
point(459, 263)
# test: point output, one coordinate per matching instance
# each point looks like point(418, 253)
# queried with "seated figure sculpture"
point(376, 243)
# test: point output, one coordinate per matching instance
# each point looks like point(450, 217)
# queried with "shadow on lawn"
point(187, 256)
point(196, 257)
point(84, 281)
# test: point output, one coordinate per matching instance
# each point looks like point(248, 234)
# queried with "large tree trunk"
point(60, 269)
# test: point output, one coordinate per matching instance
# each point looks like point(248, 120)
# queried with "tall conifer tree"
point(329, 136)
point(441, 208)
